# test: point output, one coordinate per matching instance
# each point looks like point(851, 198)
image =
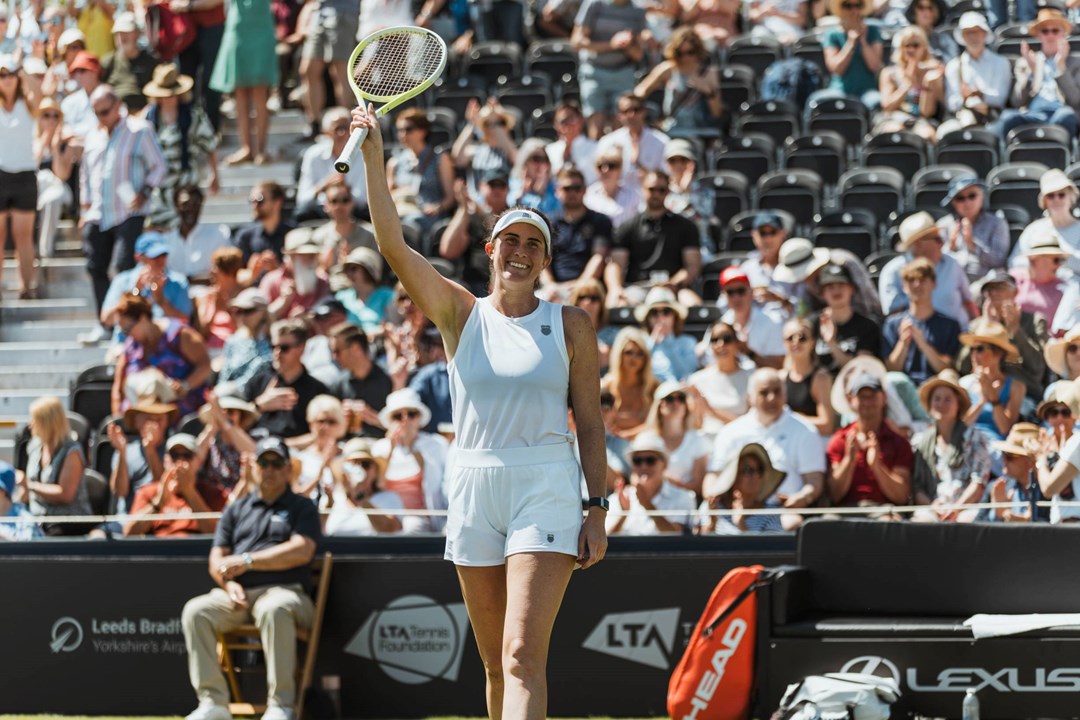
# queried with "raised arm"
point(446, 303)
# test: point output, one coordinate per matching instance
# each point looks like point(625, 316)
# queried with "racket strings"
point(397, 63)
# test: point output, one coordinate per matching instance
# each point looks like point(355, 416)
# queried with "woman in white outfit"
point(514, 527)
point(19, 96)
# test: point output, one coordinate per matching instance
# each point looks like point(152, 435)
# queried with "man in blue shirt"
point(166, 290)
point(920, 341)
point(11, 509)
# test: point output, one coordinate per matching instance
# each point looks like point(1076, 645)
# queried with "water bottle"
point(971, 705)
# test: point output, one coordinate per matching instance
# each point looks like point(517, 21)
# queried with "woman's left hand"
point(592, 540)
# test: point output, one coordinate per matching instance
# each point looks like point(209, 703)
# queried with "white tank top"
point(17, 131)
point(510, 379)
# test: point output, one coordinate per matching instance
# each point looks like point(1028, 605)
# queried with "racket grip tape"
point(344, 161)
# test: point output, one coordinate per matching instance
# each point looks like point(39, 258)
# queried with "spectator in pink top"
point(295, 287)
point(1038, 286)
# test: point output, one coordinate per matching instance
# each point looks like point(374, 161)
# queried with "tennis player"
point(515, 527)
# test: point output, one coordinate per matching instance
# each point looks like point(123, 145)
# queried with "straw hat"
point(49, 104)
point(1068, 392)
point(168, 82)
point(1050, 16)
point(724, 481)
point(231, 402)
point(799, 259)
point(366, 258)
point(993, 333)
point(1054, 180)
point(1018, 441)
point(360, 449)
point(149, 408)
point(946, 378)
point(498, 111)
point(148, 386)
point(1055, 352)
point(915, 227)
point(858, 365)
point(659, 297)
point(1050, 246)
point(836, 9)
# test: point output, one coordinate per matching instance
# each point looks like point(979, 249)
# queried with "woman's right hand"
point(117, 438)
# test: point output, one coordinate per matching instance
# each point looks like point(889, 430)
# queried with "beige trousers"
point(277, 611)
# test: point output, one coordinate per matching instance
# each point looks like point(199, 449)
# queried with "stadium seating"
point(752, 153)
point(823, 151)
point(1016, 184)
point(795, 190)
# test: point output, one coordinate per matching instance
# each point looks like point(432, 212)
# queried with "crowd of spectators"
point(790, 376)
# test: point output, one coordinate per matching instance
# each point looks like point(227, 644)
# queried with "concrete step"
point(16, 402)
point(52, 272)
point(281, 171)
point(46, 355)
point(7, 451)
point(36, 376)
point(48, 309)
point(42, 331)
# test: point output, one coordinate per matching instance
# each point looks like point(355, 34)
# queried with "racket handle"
point(344, 161)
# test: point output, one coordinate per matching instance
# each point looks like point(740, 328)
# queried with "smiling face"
point(944, 405)
point(518, 254)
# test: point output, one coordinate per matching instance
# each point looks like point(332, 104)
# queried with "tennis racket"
point(391, 66)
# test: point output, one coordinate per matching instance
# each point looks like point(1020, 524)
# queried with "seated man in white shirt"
point(192, 243)
point(573, 146)
point(794, 446)
point(648, 491)
point(317, 170)
point(760, 331)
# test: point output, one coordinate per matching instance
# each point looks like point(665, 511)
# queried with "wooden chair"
point(246, 637)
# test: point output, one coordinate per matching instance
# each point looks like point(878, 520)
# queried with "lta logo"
point(414, 640)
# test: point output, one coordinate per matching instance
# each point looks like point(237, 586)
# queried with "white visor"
point(524, 216)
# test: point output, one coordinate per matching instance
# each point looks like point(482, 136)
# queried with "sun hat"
point(959, 184)
point(49, 104)
point(969, 20)
point(659, 297)
point(915, 227)
point(34, 66)
point(1047, 404)
point(9, 63)
point(993, 333)
point(149, 408)
point(1051, 181)
point(997, 276)
point(647, 442)
point(679, 147)
point(71, 35)
point(1055, 352)
point(149, 385)
point(358, 448)
point(249, 299)
point(301, 242)
point(366, 258)
point(1068, 392)
point(798, 260)
point(404, 399)
point(733, 274)
point(124, 22)
point(722, 482)
point(184, 440)
point(498, 110)
point(168, 82)
point(250, 416)
point(946, 378)
point(1050, 16)
point(328, 306)
point(857, 366)
point(1016, 443)
point(1050, 245)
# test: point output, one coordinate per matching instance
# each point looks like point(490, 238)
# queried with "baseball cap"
point(7, 479)
point(152, 245)
point(833, 274)
point(183, 440)
point(863, 381)
point(733, 274)
point(124, 22)
point(679, 147)
point(494, 175)
point(328, 306)
point(274, 445)
point(249, 299)
point(85, 61)
point(71, 35)
point(767, 219)
point(8, 63)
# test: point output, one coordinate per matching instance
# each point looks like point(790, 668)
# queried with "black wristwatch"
point(600, 502)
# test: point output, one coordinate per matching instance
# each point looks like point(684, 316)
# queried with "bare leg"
point(339, 73)
point(259, 96)
point(311, 69)
point(484, 590)
point(243, 125)
point(22, 231)
point(535, 584)
point(3, 240)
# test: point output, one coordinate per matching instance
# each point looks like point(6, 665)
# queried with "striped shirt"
point(116, 166)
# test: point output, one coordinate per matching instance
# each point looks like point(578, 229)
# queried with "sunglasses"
point(633, 353)
point(604, 167)
point(325, 421)
point(767, 231)
point(401, 415)
point(736, 291)
point(5, 75)
point(538, 159)
point(1050, 31)
point(647, 460)
point(722, 338)
point(284, 347)
point(50, 116)
point(339, 201)
point(751, 470)
point(981, 348)
point(852, 6)
point(571, 188)
point(657, 190)
point(1056, 195)
point(275, 463)
point(406, 128)
point(1012, 456)
point(925, 7)
point(244, 311)
point(105, 111)
point(965, 198)
point(257, 199)
point(632, 110)
point(674, 398)
point(590, 298)
point(1057, 412)
point(181, 455)
point(797, 338)
point(685, 53)
point(365, 464)
point(662, 311)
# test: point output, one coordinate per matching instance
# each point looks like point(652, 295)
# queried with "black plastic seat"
point(739, 229)
point(1016, 184)
point(752, 154)
point(978, 148)
point(824, 152)
point(728, 190)
point(846, 116)
point(796, 190)
point(904, 151)
point(492, 60)
point(930, 185)
point(1050, 145)
point(880, 190)
point(738, 87)
point(777, 119)
point(757, 52)
point(852, 230)
point(553, 58)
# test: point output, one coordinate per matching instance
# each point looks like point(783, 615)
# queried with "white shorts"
point(503, 502)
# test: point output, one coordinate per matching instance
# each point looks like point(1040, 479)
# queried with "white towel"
point(985, 626)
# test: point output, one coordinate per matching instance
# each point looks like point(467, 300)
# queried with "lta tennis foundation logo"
point(414, 640)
